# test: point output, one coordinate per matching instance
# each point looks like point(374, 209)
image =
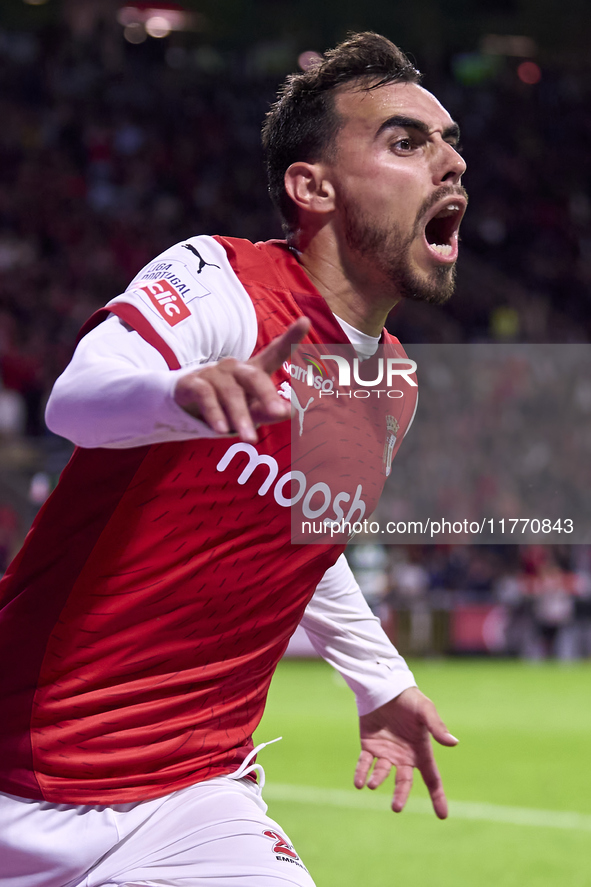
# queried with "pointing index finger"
point(277, 351)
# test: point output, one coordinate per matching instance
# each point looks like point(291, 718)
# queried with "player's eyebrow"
point(400, 121)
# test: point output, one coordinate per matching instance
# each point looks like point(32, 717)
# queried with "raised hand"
point(235, 395)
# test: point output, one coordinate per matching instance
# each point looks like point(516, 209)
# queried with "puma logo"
point(286, 391)
point(202, 262)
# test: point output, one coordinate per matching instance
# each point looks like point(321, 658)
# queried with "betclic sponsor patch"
point(167, 301)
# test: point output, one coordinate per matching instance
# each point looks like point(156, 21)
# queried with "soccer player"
point(144, 617)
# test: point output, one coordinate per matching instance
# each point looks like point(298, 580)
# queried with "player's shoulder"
point(262, 262)
point(191, 295)
point(193, 277)
point(203, 265)
point(195, 267)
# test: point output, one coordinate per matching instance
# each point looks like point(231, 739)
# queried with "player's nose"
point(450, 166)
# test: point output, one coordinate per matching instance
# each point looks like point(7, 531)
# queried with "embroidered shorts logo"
point(283, 850)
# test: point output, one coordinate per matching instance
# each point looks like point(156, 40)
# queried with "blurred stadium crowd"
point(502, 434)
point(531, 601)
point(110, 152)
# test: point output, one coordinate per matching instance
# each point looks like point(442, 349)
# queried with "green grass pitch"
point(525, 742)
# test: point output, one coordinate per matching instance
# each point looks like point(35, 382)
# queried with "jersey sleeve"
point(118, 390)
point(191, 299)
point(344, 631)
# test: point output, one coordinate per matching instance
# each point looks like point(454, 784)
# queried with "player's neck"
point(349, 293)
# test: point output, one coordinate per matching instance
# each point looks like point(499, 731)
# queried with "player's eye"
point(403, 145)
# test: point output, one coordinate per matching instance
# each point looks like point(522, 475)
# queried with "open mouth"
point(441, 230)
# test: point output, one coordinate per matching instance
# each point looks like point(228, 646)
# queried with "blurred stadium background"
point(127, 126)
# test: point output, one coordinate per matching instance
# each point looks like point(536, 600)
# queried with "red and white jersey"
point(143, 619)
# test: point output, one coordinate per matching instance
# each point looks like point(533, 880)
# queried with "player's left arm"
point(396, 720)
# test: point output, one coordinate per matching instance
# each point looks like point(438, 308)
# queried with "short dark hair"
point(303, 123)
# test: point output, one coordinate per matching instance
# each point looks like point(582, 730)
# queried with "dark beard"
point(388, 251)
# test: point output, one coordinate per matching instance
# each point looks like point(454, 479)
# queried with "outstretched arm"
point(118, 392)
point(396, 719)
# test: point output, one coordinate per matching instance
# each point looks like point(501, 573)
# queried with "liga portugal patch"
point(167, 301)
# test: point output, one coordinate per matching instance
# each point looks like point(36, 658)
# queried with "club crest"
point(392, 428)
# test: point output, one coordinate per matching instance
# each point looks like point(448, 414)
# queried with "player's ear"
point(309, 187)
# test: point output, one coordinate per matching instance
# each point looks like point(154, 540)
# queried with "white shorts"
point(214, 833)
